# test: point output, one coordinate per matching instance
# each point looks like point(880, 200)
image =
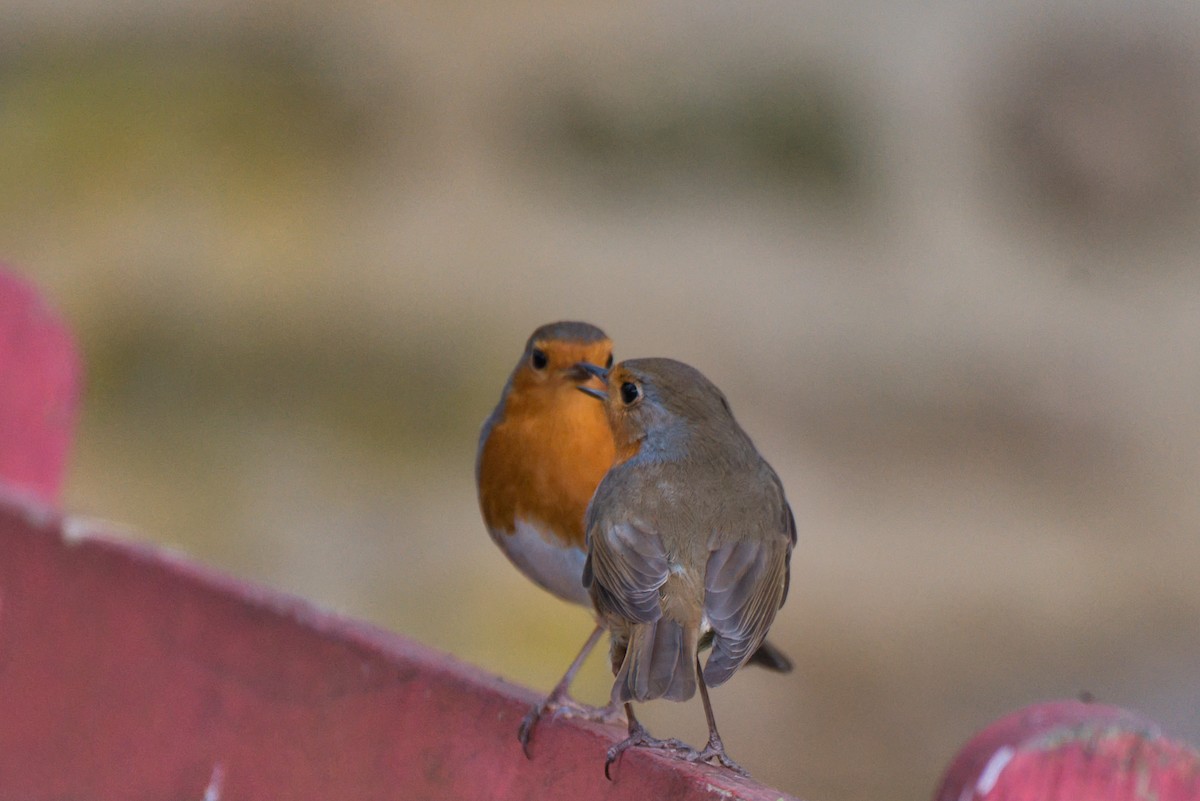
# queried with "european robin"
point(541, 454)
point(689, 543)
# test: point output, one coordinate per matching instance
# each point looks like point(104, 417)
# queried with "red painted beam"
point(1072, 751)
point(39, 390)
point(128, 673)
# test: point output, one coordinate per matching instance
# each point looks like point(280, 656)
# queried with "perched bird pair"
point(633, 491)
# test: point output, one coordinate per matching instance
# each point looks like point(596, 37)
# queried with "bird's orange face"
point(549, 375)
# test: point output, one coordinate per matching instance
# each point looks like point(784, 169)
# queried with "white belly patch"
point(550, 565)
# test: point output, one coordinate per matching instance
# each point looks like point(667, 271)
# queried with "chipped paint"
point(991, 772)
point(76, 529)
point(213, 791)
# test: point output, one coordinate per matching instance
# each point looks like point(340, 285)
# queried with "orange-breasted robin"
point(689, 542)
point(541, 454)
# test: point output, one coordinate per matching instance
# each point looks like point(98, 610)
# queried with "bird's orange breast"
point(542, 461)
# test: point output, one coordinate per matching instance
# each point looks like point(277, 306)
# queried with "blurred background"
point(943, 259)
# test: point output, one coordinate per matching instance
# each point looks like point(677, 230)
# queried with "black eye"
point(538, 359)
point(608, 364)
point(630, 392)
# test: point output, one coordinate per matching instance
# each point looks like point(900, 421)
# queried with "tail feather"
point(769, 657)
point(660, 662)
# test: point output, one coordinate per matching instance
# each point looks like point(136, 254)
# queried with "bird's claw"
point(525, 730)
point(640, 738)
point(714, 754)
point(565, 706)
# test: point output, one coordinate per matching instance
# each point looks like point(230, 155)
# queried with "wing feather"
point(625, 568)
point(745, 583)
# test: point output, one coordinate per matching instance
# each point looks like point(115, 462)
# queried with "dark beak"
point(588, 370)
point(576, 372)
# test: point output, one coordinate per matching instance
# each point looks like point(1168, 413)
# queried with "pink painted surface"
point(39, 390)
point(1072, 751)
point(129, 674)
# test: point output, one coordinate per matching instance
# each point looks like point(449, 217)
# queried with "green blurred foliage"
point(118, 120)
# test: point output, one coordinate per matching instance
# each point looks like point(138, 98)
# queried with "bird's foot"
point(714, 754)
point(640, 738)
point(563, 705)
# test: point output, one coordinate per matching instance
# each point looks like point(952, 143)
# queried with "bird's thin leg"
point(715, 749)
point(640, 738)
point(559, 701)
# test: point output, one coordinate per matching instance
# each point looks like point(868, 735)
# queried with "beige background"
point(942, 258)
